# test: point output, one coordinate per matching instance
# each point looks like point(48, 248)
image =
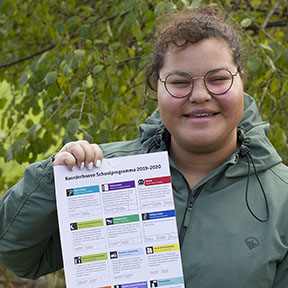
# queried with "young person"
point(230, 187)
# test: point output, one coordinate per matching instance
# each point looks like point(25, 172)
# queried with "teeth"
point(202, 114)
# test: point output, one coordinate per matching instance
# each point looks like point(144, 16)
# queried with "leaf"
point(47, 138)
point(137, 32)
point(67, 139)
point(246, 22)
point(84, 31)
point(108, 28)
point(89, 82)
point(42, 57)
point(115, 88)
point(50, 78)
point(114, 45)
point(130, 4)
point(23, 78)
point(9, 155)
point(285, 53)
point(59, 27)
point(92, 19)
point(103, 136)
point(75, 92)
point(88, 137)
point(186, 3)
point(32, 133)
point(36, 64)
point(97, 69)
point(105, 124)
point(3, 102)
point(16, 148)
point(163, 8)
point(79, 54)
point(10, 122)
point(72, 21)
point(271, 64)
point(2, 151)
point(254, 63)
point(68, 57)
point(284, 88)
point(267, 48)
point(68, 113)
point(195, 3)
point(72, 126)
point(129, 20)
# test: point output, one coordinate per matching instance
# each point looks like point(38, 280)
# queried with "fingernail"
point(72, 168)
point(82, 166)
point(98, 163)
point(90, 166)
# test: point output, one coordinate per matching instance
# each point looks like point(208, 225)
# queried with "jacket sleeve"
point(281, 279)
point(29, 236)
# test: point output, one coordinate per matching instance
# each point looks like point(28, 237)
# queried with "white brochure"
point(118, 225)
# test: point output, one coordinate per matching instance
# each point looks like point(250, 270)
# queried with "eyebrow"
point(181, 71)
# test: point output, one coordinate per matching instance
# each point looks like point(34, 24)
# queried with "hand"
point(79, 153)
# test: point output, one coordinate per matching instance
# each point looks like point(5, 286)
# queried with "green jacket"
point(229, 242)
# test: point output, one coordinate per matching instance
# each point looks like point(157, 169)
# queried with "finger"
point(98, 155)
point(77, 151)
point(85, 154)
point(89, 153)
point(64, 158)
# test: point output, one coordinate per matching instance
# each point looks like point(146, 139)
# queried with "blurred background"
point(75, 69)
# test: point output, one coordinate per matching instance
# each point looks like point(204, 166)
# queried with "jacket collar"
point(252, 133)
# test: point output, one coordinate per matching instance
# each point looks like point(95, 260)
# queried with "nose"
point(199, 93)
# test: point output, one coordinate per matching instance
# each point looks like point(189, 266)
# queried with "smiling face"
point(201, 122)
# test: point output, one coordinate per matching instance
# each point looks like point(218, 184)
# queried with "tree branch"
point(53, 45)
point(280, 23)
point(28, 57)
point(55, 111)
point(224, 8)
point(249, 4)
point(271, 12)
point(265, 90)
point(83, 102)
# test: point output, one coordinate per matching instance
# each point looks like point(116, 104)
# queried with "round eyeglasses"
point(180, 84)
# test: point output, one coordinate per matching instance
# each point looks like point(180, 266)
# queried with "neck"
point(195, 166)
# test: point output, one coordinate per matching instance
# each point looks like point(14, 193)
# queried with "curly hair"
point(184, 27)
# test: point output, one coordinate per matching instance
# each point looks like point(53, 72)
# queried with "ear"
point(242, 73)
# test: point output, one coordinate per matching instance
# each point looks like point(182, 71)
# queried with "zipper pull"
point(187, 215)
point(189, 211)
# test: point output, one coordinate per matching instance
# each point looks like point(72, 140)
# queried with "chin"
point(201, 147)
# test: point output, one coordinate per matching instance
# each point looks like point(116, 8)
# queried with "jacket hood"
point(252, 133)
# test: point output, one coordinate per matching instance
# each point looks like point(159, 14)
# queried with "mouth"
point(199, 115)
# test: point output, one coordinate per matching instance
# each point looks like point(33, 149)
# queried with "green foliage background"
point(75, 70)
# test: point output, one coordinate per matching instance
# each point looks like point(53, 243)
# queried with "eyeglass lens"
point(217, 82)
